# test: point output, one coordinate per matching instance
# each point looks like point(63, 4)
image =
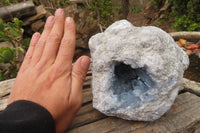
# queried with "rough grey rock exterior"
point(137, 71)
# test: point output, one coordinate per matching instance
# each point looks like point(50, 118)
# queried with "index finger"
point(67, 46)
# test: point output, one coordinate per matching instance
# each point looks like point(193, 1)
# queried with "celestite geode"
point(136, 71)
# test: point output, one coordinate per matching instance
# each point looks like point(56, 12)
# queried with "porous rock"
point(136, 71)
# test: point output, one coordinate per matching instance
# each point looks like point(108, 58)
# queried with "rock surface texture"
point(136, 71)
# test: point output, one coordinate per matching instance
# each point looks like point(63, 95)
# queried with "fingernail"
point(36, 36)
point(50, 19)
point(85, 62)
point(59, 12)
point(69, 19)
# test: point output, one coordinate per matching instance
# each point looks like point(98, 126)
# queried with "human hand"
point(47, 76)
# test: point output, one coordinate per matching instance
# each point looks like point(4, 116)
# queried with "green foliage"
point(11, 31)
point(7, 54)
point(1, 76)
point(118, 8)
point(135, 9)
point(157, 3)
point(103, 12)
point(9, 2)
point(10, 56)
point(185, 14)
point(186, 23)
point(26, 43)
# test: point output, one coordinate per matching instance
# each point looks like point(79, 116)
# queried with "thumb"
point(79, 71)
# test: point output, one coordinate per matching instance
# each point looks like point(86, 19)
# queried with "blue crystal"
point(130, 84)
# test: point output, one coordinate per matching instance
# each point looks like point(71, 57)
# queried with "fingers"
point(79, 71)
point(30, 51)
point(54, 38)
point(67, 46)
point(41, 43)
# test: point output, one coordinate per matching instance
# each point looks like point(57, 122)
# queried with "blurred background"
point(19, 19)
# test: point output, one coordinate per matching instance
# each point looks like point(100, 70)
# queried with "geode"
point(136, 71)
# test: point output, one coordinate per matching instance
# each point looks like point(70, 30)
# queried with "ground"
point(193, 72)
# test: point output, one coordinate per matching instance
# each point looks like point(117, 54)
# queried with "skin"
point(47, 76)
